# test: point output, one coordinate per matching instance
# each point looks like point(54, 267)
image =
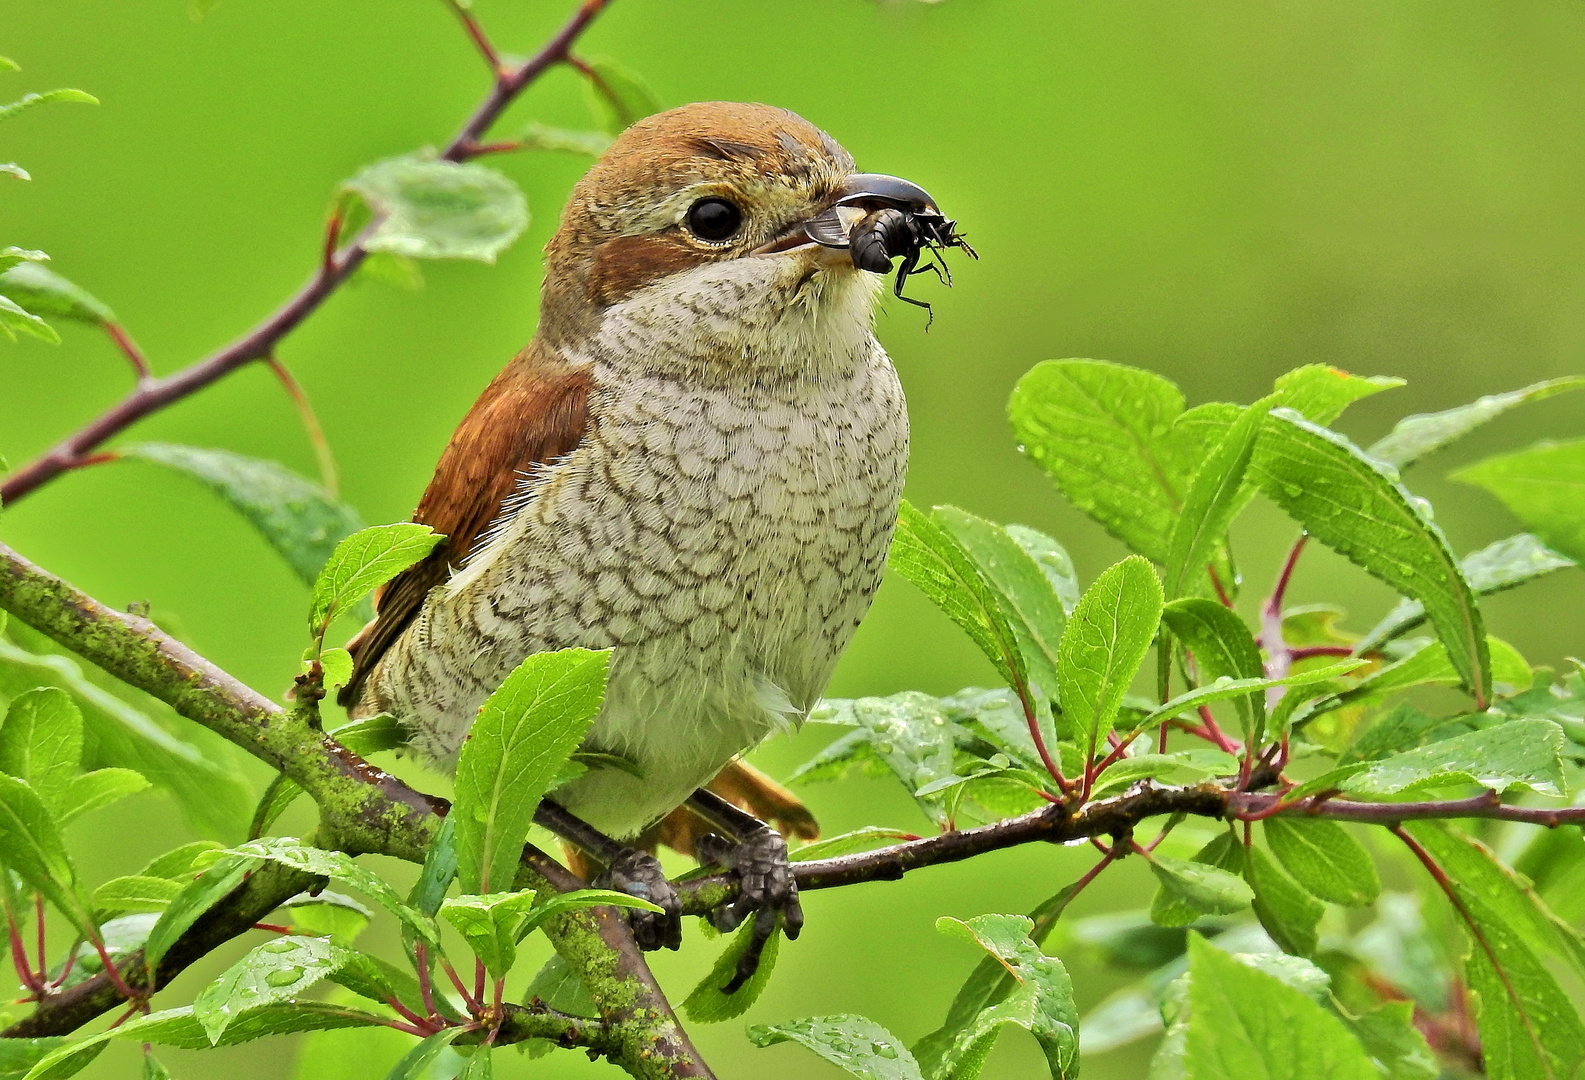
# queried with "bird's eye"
point(714, 220)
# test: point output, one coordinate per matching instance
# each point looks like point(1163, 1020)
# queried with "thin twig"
point(329, 479)
point(129, 349)
point(153, 394)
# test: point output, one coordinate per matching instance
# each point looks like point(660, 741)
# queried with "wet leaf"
point(858, 1046)
point(431, 209)
point(272, 972)
point(1104, 644)
point(363, 561)
point(1520, 753)
point(1324, 858)
point(1544, 487)
point(1425, 433)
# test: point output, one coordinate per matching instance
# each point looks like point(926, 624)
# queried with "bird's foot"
point(766, 890)
point(639, 874)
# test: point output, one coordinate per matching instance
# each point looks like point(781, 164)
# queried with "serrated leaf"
point(1288, 913)
point(580, 898)
point(27, 101)
point(1224, 688)
point(197, 897)
point(1104, 644)
point(988, 985)
point(41, 743)
point(14, 317)
point(1053, 560)
point(1544, 487)
point(616, 96)
point(1041, 1002)
point(1321, 392)
point(537, 136)
point(1505, 564)
point(562, 989)
point(136, 893)
point(864, 839)
point(1416, 436)
point(1207, 885)
point(524, 734)
point(431, 209)
point(856, 1045)
point(935, 562)
point(1520, 753)
point(299, 519)
point(179, 1028)
point(272, 972)
point(17, 1056)
point(1024, 594)
point(1324, 858)
point(1245, 1023)
point(1222, 647)
point(489, 925)
point(1212, 501)
point(31, 847)
point(1356, 506)
point(361, 562)
point(44, 293)
point(338, 866)
point(95, 790)
point(1528, 1026)
point(709, 1003)
point(1389, 1036)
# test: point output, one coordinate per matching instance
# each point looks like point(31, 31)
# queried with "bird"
point(696, 462)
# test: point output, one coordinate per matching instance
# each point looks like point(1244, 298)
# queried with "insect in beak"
point(879, 218)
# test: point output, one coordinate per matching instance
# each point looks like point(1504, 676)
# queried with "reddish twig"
point(1306, 652)
point(129, 349)
point(154, 394)
point(274, 928)
point(19, 959)
point(481, 41)
point(328, 476)
point(1221, 593)
point(425, 988)
point(44, 959)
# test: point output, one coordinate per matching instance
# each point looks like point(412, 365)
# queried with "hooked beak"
point(860, 195)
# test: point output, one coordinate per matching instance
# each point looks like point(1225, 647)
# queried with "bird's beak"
point(860, 195)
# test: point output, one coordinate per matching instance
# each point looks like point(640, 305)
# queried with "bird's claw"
point(766, 889)
point(639, 874)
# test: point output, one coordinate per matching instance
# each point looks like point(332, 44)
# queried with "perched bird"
point(696, 461)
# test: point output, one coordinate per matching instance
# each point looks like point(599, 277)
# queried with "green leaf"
point(1416, 436)
point(1212, 501)
point(1024, 594)
point(179, 1028)
point(1053, 560)
point(988, 985)
point(939, 566)
point(1245, 1023)
point(1321, 392)
point(537, 136)
point(525, 732)
point(1544, 487)
point(327, 914)
point(709, 1003)
point(1324, 858)
point(1224, 688)
point(136, 893)
point(1127, 770)
point(1223, 648)
point(858, 1046)
point(1208, 885)
point(1104, 644)
point(299, 519)
point(489, 925)
point(561, 988)
point(30, 846)
point(14, 317)
point(366, 559)
point(272, 972)
point(1042, 1002)
point(430, 209)
point(45, 293)
point(580, 898)
point(1288, 913)
point(177, 864)
point(11, 168)
point(440, 869)
point(1389, 1036)
point(27, 101)
point(1108, 436)
point(863, 839)
point(97, 789)
point(377, 980)
point(11, 256)
point(1528, 1026)
point(1357, 507)
point(17, 1056)
point(41, 742)
point(153, 1069)
point(616, 96)
point(1520, 753)
point(1503, 565)
point(197, 897)
point(337, 865)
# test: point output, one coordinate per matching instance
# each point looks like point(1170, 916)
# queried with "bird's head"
point(694, 238)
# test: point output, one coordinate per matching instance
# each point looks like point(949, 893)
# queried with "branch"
point(362, 810)
point(153, 394)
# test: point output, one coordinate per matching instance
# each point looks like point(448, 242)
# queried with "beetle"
point(900, 220)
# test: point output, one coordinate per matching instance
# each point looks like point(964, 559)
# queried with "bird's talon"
point(639, 874)
point(767, 891)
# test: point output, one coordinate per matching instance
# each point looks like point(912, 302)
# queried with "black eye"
point(714, 219)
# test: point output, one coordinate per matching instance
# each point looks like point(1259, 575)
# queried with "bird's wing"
point(534, 411)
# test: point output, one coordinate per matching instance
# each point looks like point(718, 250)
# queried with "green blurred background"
point(1218, 191)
